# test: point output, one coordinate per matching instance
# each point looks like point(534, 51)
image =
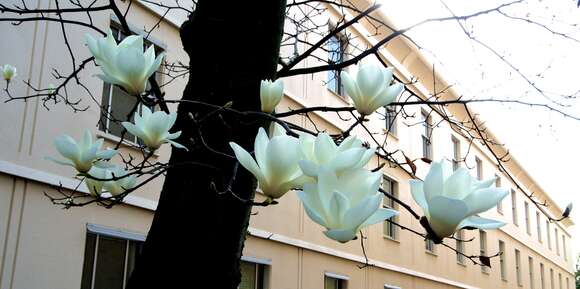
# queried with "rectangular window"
point(479, 168)
point(116, 104)
point(514, 208)
point(557, 242)
point(391, 187)
point(426, 135)
point(564, 247)
point(456, 152)
point(518, 267)
point(460, 247)
point(109, 261)
point(531, 271)
point(391, 120)
point(527, 216)
point(539, 227)
point(548, 234)
point(500, 203)
point(336, 54)
point(552, 286)
point(334, 283)
point(252, 275)
point(502, 264)
point(483, 248)
point(430, 246)
point(542, 277)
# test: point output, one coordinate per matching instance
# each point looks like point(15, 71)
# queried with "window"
point(116, 104)
point(334, 282)
point(479, 168)
point(500, 203)
point(556, 240)
point(539, 227)
point(460, 247)
point(564, 247)
point(390, 229)
point(518, 267)
point(502, 265)
point(548, 234)
point(567, 283)
point(552, 279)
point(531, 271)
point(542, 278)
point(426, 134)
point(560, 280)
point(391, 120)
point(336, 53)
point(456, 153)
point(483, 248)
point(514, 208)
point(109, 258)
point(430, 246)
point(527, 215)
point(252, 275)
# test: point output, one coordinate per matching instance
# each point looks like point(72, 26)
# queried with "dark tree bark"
point(197, 235)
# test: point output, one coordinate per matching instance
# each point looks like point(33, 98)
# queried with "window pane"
point(88, 262)
point(248, 271)
point(110, 263)
point(134, 251)
point(121, 105)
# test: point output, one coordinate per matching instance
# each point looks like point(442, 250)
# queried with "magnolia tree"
point(228, 140)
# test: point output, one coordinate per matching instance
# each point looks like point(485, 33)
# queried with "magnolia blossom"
point(322, 151)
point(8, 72)
point(276, 164)
point(124, 64)
point(82, 155)
point(113, 180)
point(271, 94)
point(371, 88)
point(450, 200)
point(51, 89)
point(345, 204)
point(153, 128)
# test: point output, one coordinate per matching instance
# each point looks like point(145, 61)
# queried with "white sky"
point(545, 143)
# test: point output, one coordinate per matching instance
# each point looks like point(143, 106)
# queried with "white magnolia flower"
point(51, 89)
point(450, 199)
point(322, 151)
point(345, 204)
point(153, 128)
point(276, 165)
point(82, 155)
point(8, 72)
point(270, 94)
point(371, 88)
point(124, 64)
point(113, 180)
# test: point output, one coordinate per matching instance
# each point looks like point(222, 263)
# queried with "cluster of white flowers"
point(337, 191)
point(93, 163)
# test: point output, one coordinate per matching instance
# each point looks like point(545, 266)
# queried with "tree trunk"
point(197, 234)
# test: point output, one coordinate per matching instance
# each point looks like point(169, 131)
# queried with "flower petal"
point(247, 161)
point(481, 223)
point(341, 235)
point(419, 195)
point(482, 200)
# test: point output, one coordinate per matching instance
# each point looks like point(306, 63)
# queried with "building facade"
point(44, 246)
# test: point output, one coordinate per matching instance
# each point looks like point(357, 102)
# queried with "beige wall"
point(41, 245)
